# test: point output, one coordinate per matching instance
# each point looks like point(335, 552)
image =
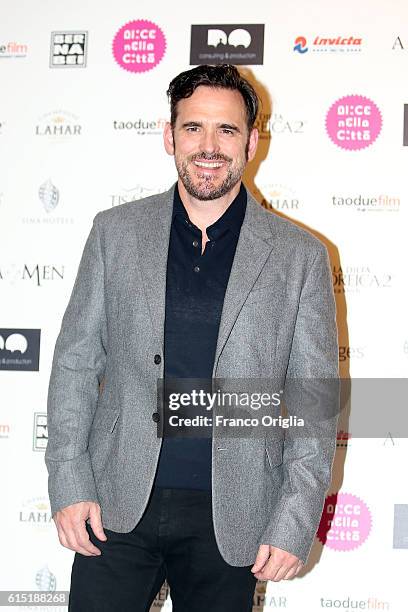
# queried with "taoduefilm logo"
point(227, 43)
point(20, 349)
point(353, 122)
point(358, 278)
point(58, 126)
point(139, 46)
point(4, 430)
point(141, 127)
point(366, 203)
point(329, 44)
point(13, 50)
point(68, 49)
point(346, 522)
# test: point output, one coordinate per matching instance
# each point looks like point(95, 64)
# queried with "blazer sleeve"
point(77, 369)
point(311, 392)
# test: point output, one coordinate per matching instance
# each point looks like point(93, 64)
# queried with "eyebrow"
point(227, 126)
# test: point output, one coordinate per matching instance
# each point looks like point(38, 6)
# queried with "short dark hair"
point(224, 76)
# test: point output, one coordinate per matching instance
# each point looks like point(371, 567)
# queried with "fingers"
point(261, 558)
point(72, 533)
point(280, 566)
point(96, 522)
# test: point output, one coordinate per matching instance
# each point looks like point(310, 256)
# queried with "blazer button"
point(156, 417)
point(157, 359)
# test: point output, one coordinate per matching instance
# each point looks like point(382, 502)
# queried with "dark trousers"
point(174, 541)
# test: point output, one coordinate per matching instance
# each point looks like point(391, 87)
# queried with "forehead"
point(212, 104)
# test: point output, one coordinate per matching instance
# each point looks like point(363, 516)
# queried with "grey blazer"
point(278, 319)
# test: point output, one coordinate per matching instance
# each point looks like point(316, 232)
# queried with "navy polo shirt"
point(195, 289)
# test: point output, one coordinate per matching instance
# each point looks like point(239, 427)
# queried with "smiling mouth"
point(207, 164)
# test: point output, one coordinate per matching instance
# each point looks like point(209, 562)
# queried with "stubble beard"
point(203, 187)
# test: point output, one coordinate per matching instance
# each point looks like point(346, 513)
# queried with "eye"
point(192, 128)
point(227, 131)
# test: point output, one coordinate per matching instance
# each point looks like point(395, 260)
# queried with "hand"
point(70, 523)
point(273, 563)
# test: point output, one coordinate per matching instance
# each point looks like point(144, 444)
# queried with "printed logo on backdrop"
point(135, 193)
point(343, 439)
point(356, 279)
point(68, 49)
point(161, 597)
point(20, 349)
point(45, 579)
point(4, 430)
point(35, 512)
point(405, 132)
point(240, 44)
point(351, 353)
point(349, 603)
point(36, 274)
point(330, 44)
point(346, 522)
point(400, 44)
point(264, 600)
point(141, 127)
point(400, 532)
point(353, 122)
point(268, 124)
point(40, 431)
point(278, 197)
point(139, 46)
point(364, 203)
point(58, 126)
point(13, 50)
point(49, 198)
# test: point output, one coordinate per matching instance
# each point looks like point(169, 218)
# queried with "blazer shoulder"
point(290, 235)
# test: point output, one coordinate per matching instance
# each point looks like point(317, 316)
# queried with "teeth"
point(208, 164)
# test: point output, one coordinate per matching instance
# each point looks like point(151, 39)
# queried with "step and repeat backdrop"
point(82, 110)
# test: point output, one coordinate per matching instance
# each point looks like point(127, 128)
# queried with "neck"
point(205, 213)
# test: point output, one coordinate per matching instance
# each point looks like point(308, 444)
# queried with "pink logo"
point(345, 522)
point(139, 46)
point(353, 122)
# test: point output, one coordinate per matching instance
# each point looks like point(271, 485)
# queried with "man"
point(200, 282)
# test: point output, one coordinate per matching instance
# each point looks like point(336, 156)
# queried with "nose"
point(209, 141)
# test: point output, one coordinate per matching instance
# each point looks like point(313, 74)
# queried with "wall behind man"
point(81, 119)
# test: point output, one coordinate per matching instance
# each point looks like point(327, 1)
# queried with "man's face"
point(210, 142)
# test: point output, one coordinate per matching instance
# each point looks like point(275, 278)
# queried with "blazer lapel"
point(153, 247)
point(253, 249)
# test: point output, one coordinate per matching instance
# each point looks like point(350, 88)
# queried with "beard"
point(202, 186)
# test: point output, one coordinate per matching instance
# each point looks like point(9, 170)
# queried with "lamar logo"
point(68, 49)
point(239, 44)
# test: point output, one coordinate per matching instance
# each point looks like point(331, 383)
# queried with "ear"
point(253, 144)
point(168, 139)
